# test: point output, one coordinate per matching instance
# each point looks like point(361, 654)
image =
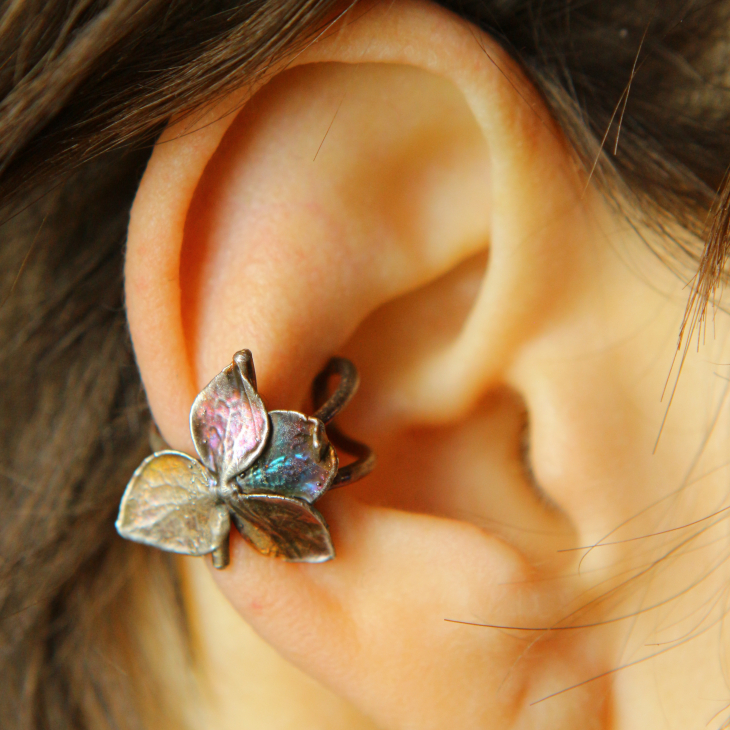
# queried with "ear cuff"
point(261, 469)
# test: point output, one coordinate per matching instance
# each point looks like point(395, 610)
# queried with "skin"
point(398, 194)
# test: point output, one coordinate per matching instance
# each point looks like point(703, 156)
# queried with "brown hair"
point(638, 88)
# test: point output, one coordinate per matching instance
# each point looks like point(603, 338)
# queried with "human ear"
point(397, 193)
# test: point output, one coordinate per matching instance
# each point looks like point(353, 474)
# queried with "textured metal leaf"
point(169, 504)
point(282, 527)
point(228, 423)
point(298, 460)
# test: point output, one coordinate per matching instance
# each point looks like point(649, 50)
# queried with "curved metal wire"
point(359, 468)
point(349, 380)
point(346, 388)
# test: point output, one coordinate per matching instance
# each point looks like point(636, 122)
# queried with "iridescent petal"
point(282, 527)
point(169, 504)
point(298, 460)
point(228, 422)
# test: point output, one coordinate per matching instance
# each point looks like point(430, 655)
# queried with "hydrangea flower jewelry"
point(263, 470)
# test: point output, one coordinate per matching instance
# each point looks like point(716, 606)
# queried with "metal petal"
point(282, 527)
point(228, 421)
point(169, 504)
point(298, 460)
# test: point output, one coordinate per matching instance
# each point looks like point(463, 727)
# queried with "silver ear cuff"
point(261, 469)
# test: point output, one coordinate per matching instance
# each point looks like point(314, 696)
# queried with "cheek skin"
point(597, 383)
point(593, 381)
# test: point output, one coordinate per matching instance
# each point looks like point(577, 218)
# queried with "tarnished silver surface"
point(298, 460)
point(283, 527)
point(263, 470)
point(228, 422)
point(329, 407)
point(169, 504)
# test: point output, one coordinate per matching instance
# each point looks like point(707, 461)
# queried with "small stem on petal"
point(221, 555)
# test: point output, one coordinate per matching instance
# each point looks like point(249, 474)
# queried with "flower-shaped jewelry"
point(261, 469)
